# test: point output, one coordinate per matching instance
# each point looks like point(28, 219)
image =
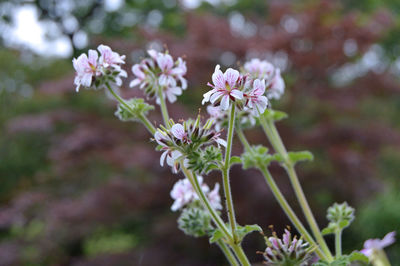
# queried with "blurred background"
point(79, 187)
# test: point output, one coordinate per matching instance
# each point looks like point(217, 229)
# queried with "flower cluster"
point(183, 194)
point(249, 90)
point(375, 245)
point(182, 139)
point(286, 251)
point(263, 70)
point(95, 72)
point(160, 72)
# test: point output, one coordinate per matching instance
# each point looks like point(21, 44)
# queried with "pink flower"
point(255, 99)
point(224, 88)
point(160, 70)
point(276, 87)
point(259, 69)
point(171, 156)
point(86, 68)
point(214, 198)
point(110, 58)
point(376, 244)
point(183, 193)
point(179, 132)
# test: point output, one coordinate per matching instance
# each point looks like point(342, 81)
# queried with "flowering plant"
point(239, 100)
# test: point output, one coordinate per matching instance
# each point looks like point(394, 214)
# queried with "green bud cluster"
point(195, 221)
point(340, 216)
point(135, 108)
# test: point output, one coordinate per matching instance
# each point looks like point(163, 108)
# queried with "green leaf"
point(258, 157)
point(300, 156)
point(274, 115)
point(341, 261)
point(235, 160)
point(242, 231)
point(216, 235)
point(328, 230)
point(344, 224)
point(357, 256)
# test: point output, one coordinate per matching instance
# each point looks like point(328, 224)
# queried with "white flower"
point(86, 68)
point(259, 69)
point(110, 58)
point(255, 99)
point(95, 72)
point(215, 198)
point(183, 194)
point(224, 88)
point(160, 70)
point(276, 87)
point(372, 245)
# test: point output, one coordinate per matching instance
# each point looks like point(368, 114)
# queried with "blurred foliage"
point(81, 188)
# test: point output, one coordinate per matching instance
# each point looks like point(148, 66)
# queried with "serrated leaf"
point(274, 115)
point(235, 160)
point(216, 235)
point(211, 167)
point(300, 156)
point(327, 230)
point(242, 231)
point(357, 256)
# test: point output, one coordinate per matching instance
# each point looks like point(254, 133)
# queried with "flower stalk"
point(163, 106)
point(149, 126)
point(275, 140)
point(228, 253)
point(226, 183)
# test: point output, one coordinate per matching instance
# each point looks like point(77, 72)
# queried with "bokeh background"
point(79, 187)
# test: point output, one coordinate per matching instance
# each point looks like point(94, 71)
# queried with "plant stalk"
point(276, 141)
point(149, 126)
point(227, 189)
point(163, 105)
point(228, 253)
point(338, 243)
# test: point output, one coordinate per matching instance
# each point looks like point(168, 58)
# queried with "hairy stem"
point(216, 218)
point(289, 211)
point(149, 126)
point(237, 248)
point(225, 172)
point(281, 198)
point(163, 105)
point(338, 243)
point(275, 140)
point(228, 253)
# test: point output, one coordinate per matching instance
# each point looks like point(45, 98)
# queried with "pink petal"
point(237, 94)
point(218, 78)
point(178, 131)
point(231, 76)
point(225, 102)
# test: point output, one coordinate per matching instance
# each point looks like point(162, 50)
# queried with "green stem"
point(379, 258)
point(216, 218)
point(281, 198)
point(243, 139)
point(289, 211)
point(163, 105)
point(276, 142)
point(237, 248)
point(149, 126)
point(225, 172)
point(338, 243)
point(228, 253)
